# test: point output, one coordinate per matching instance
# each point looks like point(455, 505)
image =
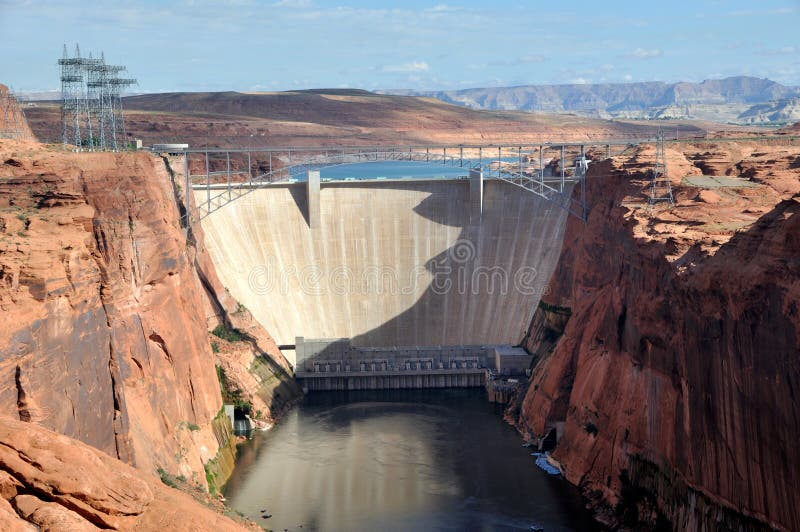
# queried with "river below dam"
point(398, 460)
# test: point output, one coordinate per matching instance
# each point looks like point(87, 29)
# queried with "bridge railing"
point(228, 174)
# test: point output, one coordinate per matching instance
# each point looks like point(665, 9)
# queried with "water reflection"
point(424, 460)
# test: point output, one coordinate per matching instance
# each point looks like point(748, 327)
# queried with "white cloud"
point(521, 60)
point(786, 50)
point(294, 4)
point(442, 8)
point(530, 59)
point(642, 53)
point(414, 66)
point(756, 12)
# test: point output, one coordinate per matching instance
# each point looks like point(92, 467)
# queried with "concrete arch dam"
point(384, 263)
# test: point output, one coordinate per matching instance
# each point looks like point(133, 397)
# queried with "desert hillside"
point(338, 117)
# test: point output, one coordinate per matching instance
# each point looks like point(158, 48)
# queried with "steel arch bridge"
point(229, 174)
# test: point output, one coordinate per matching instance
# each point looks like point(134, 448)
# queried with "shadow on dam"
point(391, 263)
point(472, 280)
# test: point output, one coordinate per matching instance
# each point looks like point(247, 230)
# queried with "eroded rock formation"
point(51, 482)
point(677, 372)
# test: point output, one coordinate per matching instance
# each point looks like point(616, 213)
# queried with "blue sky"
point(254, 45)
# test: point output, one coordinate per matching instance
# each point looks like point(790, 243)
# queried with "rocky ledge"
point(51, 482)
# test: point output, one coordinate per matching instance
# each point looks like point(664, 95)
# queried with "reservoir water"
point(399, 460)
point(394, 170)
point(391, 170)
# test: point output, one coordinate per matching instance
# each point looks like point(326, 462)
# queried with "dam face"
point(389, 263)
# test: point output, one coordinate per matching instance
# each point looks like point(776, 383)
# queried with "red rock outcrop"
point(792, 129)
point(103, 338)
point(12, 118)
point(677, 372)
point(51, 482)
point(254, 379)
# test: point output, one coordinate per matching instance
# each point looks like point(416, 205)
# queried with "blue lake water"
point(394, 170)
point(391, 170)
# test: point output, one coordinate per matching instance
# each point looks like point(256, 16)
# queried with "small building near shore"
point(510, 360)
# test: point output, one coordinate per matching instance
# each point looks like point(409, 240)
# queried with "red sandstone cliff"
point(250, 364)
point(105, 336)
point(678, 371)
point(101, 339)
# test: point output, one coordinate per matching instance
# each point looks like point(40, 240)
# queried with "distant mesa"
point(339, 92)
point(739, 99)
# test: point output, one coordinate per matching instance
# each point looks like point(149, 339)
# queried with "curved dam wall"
point(400, 263)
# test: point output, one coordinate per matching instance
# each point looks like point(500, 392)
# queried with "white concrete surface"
point(391, 264)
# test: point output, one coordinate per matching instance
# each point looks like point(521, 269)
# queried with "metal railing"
point(228, 174)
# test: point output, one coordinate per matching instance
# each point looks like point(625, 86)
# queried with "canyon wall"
point(677, 371)
point(106, 309)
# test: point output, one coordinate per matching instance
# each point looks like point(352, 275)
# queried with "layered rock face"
point(103, 337)
point(678, 370)
point(50, 482)
point(12, 118)
point(251, 367)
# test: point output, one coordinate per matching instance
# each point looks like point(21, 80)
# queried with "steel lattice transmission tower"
point(660, 186)
point(72, 96)
point(91, 102)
